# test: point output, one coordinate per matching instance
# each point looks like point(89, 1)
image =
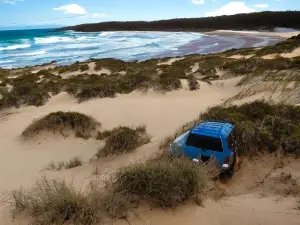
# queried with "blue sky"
point(70, 12)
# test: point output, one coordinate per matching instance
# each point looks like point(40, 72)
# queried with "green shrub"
point(80, 124)
point(26, 94)
point(54, 202)
point(85, 87)
point(165, 82)
point(193, 83)
point(281, 47)
point(74, 162)
point(113, 65)
point(164, 182)
point(117, 204)
point(28, 89)
point(122, 140)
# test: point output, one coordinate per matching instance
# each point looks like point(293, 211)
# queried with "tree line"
point(259, 21)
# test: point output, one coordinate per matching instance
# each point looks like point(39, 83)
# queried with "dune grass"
point(122, 140)
point(163, 183)
point(55, 202)
point(193, 83)
point(83, 126)
point(285, 46)
point(72, 163)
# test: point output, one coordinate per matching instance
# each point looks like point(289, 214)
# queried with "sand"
point(241, 56)
point(245, 209)
point(293, 54)
point(257, 33)
point(170, 61)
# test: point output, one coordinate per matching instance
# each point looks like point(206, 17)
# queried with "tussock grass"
point(123, 139)
point(73, 68)
point(164, 182)
point(193, 83)
point(281, 47)
point(80, 124)
point(116, 204)
point(74, 162)
point(28, 89)
point(55, 202)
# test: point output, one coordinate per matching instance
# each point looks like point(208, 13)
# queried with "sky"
point(71, 12)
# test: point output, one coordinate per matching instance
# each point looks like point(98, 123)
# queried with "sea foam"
point(14, 47)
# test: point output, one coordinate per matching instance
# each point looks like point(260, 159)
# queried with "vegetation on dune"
point(122, 140)
point(249, 21)
point(262, 126)
point(193, 83)
point(22, 87)
point(285, 46)
point(258, 66)
point(114, 65)
point(74, 162)
point(164, 182)
point(55, 202)
point(242, 51)
point(73, 68)
point(29, 89)
point(85, 87)
point(83, 126)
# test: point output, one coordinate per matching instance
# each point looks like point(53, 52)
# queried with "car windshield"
point(205, 142)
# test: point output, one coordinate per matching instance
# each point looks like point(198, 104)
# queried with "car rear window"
point(205, 142)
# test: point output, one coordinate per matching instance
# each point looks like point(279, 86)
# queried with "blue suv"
point(208, 140)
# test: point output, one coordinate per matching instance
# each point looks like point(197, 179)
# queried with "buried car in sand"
point(208, 140)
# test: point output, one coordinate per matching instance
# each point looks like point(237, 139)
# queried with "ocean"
point(20, 48)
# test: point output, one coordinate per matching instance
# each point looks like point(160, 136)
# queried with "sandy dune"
point(258, 33)
point(244, 209)
point(162, 114)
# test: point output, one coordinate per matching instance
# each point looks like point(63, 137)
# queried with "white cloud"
point(12, 2)
point(198, 2)
point(261, 6)
point(230, 9)
point(71, 9)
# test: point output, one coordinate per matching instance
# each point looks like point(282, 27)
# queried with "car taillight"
point(226, 160)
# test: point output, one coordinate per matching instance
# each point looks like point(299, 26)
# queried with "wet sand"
point(221, 42)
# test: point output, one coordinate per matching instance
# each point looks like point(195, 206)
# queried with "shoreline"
point(283, 35)
point(221, 42)
point(210, 43)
